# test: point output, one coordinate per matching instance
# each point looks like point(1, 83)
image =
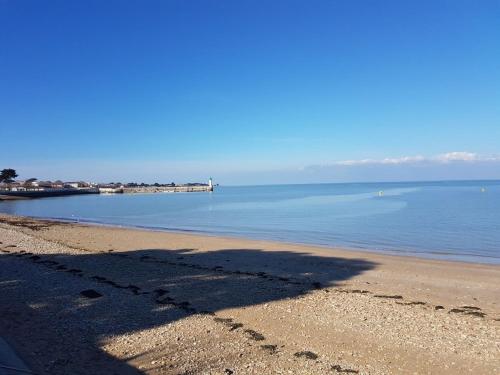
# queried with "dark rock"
point(306, 354)
point(223, 320)
point(270, 348)
point(234, 326)
point(165, 301)
point(90, 293)
point(255, 335)
point(160, 292)
point(338, 368)
point(316, 285)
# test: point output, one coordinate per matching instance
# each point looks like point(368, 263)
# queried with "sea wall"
point(27, 194)
point(166, 189)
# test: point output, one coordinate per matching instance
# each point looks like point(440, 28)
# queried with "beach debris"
point(468, 311)
point(412, 303)
point(338, 368)
point(476, 313)
point(360, 291)
point(306, 354)
point(388, 296)
point(255, 335)
point(234, 326)
point(228, 371)
point(223, 320)
point(229, 323)
point(90, 293)
point(270, 348)
point(439, 307)
point(471, 307)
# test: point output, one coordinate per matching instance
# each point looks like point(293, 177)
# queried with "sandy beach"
point(83, 299)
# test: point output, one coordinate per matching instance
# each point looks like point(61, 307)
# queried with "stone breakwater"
point(45, 193)
point(166, 189)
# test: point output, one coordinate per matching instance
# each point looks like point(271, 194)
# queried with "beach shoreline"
point(207, 304)
point(362, 251)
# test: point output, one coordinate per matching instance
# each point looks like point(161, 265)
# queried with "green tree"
point(7, 175)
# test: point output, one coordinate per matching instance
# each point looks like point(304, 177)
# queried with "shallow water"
point(445, 220)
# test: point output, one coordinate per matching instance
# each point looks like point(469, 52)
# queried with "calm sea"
point(446, 220)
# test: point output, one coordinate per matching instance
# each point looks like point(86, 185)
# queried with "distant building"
point(76, 184)
point(58, 184)
point(45, 184)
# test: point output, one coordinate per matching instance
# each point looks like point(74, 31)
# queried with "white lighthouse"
point(210, 184)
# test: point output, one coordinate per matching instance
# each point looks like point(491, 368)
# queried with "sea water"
point(447, 220)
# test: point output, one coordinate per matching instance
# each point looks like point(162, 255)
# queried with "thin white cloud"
point(458, 156)
point(455, 156)
point(400, 160)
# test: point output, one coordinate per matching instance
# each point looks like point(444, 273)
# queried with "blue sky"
point(250, 91)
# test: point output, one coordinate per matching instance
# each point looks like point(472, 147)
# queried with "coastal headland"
point(93, 299)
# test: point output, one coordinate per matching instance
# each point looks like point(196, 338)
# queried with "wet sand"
point(86, 299)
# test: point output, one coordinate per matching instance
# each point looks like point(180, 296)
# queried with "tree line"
point(8, 175)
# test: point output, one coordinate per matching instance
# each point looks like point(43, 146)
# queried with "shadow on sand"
point(142, 289)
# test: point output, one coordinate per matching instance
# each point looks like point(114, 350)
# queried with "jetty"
point(157, 188)
point(44, 193)
point(167, 189)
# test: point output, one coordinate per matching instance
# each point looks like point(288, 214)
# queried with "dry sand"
point(168, 303)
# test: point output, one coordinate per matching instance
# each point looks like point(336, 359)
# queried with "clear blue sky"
point(250, 91)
